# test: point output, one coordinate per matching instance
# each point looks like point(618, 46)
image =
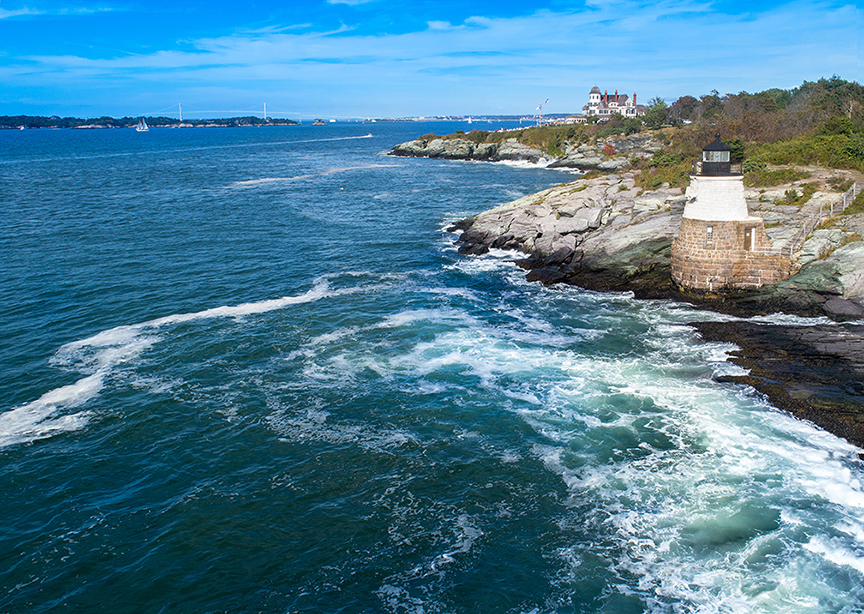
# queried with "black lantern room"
point(716, 158)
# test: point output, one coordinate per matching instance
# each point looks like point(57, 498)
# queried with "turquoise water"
point(245, 370)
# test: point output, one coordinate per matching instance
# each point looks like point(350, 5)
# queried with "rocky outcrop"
point(608, 155)
point(814, 372)
point(600, 233)
point(611, 154)
point(463, 149)
point(605, 234)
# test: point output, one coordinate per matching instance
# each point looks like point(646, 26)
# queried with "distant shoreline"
point(33, 122)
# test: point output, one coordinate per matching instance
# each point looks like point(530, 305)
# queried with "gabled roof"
point(717, 145)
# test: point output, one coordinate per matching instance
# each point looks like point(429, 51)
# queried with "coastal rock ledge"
point(606, 234)
point(607, 155)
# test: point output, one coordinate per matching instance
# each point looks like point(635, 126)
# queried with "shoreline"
point(603, 234)
point(815, 373)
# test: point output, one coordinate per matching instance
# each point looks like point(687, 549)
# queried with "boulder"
point(841, 309)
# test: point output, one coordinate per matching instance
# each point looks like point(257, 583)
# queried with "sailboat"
point(142, 126)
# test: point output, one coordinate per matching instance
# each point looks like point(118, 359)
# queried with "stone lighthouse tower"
point(720, 246)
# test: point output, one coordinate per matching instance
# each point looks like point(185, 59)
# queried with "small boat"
point(318, 122)
point(142, 126)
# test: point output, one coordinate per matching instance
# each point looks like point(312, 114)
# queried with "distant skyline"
point(374, 58)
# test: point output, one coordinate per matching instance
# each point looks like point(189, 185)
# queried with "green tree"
point(657, 113)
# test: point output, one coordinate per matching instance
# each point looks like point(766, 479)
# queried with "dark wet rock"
point(814, 372)
point(602, 234)
point(841, 309)
point(546, 276)
point(624, 236)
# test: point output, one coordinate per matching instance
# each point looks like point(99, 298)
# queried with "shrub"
point(791, 196)
point(831, 150)
point(766, 178)
point(856, 206)
point(838, 184)
point(753, 165)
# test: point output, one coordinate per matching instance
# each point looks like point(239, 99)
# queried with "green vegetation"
point(839, 184)
point(819, 123)
point(832, 151)
point(792, 197)
point(664, 167)
point(856, 206)
point(767, 178)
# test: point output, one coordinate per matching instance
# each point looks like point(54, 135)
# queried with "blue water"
point(245, 370)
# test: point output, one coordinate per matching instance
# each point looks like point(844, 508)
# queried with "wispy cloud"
point(6, 14)
point(30, 12)
point(484, 62)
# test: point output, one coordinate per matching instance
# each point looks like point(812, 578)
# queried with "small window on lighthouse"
point(709, 231)
point(715, 156)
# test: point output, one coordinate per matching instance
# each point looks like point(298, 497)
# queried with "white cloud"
point(5, 14)
point(655, 49)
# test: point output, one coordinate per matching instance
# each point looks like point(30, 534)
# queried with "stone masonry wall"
point(723, 263)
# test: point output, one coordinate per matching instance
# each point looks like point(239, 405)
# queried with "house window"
point(709, 231)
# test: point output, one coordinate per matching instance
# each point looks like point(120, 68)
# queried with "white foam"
point(38, 420)
point(323, 173)
point(313, 425)
point(785, 319)
point(467, 534)
point(836, 554)
point(100, 355)
point(406, 318)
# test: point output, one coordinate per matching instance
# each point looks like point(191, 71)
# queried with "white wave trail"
point(36, 419)
point(329, 171)
point(98, 356)
point(163, 152)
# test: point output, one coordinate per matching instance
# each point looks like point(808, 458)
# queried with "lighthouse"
point(720, 246)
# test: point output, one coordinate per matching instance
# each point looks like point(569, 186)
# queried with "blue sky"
point(375, 58)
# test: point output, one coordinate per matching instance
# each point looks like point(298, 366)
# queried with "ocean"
point(245, 370)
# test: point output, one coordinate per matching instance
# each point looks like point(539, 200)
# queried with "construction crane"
point(540, 108)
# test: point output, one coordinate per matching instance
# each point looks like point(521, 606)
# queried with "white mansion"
point(605, 105)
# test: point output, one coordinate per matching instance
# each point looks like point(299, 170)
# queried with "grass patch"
point(829, 150)
point(766, 178)
point(593, 174)
point(839, 184)
point(850, 238)
point(664, 167)
point(856, 206)
point(793, 197)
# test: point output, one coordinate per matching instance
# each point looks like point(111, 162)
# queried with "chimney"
point(634, 99)
point(606, 97)
point(616, 96)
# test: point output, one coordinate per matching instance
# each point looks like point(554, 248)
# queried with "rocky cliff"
point(606, 234)
point(609, 155)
